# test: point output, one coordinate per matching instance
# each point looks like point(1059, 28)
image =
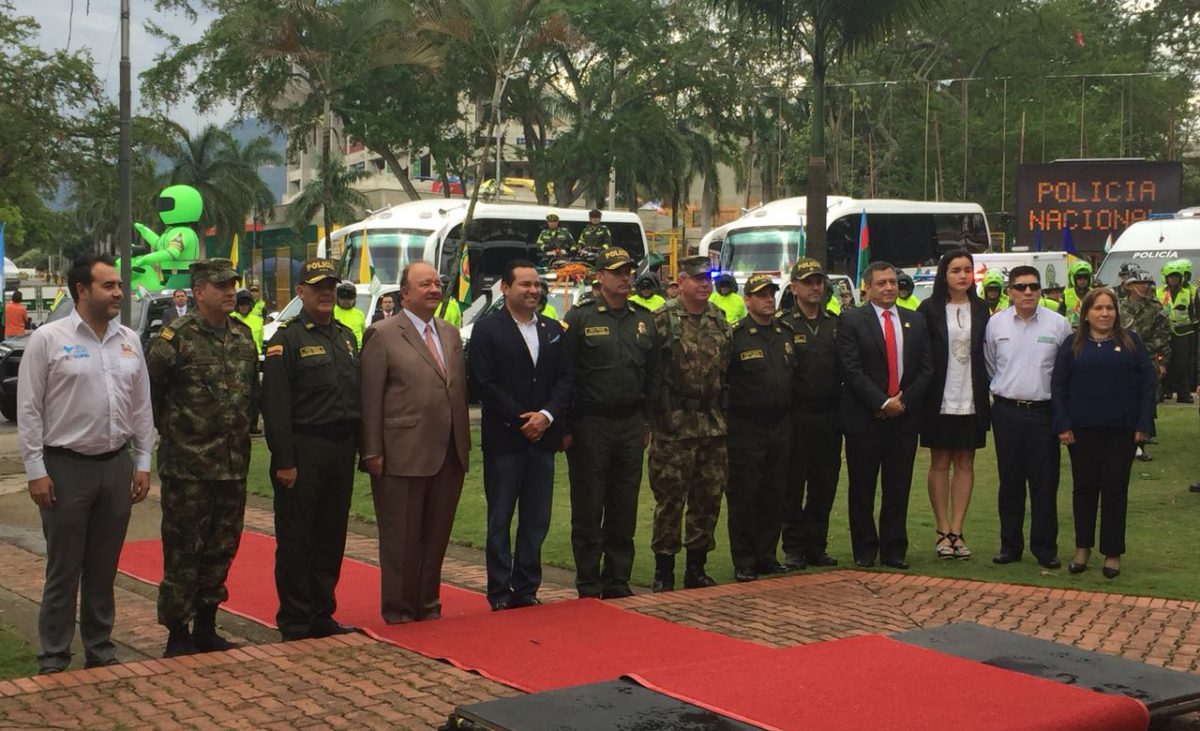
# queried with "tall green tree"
point(331, 193)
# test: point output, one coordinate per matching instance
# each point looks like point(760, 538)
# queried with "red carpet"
point(872, 682)
point(533, 649)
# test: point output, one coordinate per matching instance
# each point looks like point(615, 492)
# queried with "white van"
point(1152, 243)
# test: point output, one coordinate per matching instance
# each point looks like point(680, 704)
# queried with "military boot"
point(664, 572)
point(179, 642)
point(204, 632)
point(694, 576)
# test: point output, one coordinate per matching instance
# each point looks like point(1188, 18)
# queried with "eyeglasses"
point(1026, 287)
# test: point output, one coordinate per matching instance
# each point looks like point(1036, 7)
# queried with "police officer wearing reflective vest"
point(312, 418)
point(554, 237)
point(816, 432)
point(1176, 297)
point(760, 399)
point(612, 344)
point(688, 452)
point(1079, 281)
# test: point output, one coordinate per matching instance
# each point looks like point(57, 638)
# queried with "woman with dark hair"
point(957, 413)
point(1103, 401)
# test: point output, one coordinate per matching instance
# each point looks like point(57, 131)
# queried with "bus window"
point(905, 240)
point(966, 230)
point(761, 249)
point(391, 251)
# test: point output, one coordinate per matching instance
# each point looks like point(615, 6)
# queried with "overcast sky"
point(95, 25)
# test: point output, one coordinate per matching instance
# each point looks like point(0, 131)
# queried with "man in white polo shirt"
point(1019, 347)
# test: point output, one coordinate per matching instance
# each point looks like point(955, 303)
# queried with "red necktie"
point(889, 342)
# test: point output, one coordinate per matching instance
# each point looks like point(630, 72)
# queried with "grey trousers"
point(84, 529)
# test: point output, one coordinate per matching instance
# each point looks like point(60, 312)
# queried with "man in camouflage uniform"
point(595, 235)
point(203, 375)
point(1143, 314)
point(760, 398)
point(688, 457)
point(554, 238)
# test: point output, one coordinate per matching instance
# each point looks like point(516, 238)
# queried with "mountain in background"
point(275, 176)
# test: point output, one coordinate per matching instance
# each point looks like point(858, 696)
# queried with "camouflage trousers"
point(201, 528)
point(687, 473)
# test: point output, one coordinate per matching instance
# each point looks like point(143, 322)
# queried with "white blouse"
point(958, 398)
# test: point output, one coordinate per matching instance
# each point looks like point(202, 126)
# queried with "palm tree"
point(826, 30)
point(332, 193)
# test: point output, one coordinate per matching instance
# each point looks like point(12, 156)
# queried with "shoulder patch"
point(274, 350)
point(166, 333)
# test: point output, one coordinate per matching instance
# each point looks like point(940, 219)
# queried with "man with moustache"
point(415, 442)
point(203, 376)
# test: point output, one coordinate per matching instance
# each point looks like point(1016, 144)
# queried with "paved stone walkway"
point(355, 682)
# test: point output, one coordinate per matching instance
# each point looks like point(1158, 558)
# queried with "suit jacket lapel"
point(515, 331)
point(875, 327)
point(418, 343)
point(443, 331)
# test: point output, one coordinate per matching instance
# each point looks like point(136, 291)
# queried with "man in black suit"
point(886, 366)
point(520, 372)
point(387, 307)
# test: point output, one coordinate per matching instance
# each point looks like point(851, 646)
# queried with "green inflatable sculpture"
point(172, 252)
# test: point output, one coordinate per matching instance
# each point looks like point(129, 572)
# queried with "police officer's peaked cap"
point(593, 213)
point(695, 266)
point(316, 270)
point(243, 295)
point(805, 268)
point(551, 216)
point(614, 258)
point(346, 289)
point(758, 282)
point(212, 270)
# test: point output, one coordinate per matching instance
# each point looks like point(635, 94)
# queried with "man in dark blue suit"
point(521, 375)
point(886, 364)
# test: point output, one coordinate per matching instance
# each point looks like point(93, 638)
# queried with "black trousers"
point(1027, 453)
point(310, 531)
point(605, 468)
point(758, 467)
point(816, 464)
point(889, 450)
point(1101, 460)
point(1181, 366)
point(516, 481)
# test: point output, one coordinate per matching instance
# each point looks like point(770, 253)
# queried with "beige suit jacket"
point(409, 407)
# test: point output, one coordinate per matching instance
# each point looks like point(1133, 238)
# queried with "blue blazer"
point(507, 384)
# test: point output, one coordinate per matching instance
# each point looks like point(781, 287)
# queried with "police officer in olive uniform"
point(816, 434)
point(554, 237)
point(612, 346)
point(595, 235)
point(688, 450)
point(760, 399)
point(312, 418)
point(203, 375)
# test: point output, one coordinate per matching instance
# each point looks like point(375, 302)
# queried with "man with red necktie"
point(886, 366)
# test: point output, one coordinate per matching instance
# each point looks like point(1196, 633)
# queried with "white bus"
point(909, 234)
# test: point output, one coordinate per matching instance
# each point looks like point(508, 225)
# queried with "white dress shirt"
point(181, 311)
point(899, 329)
point(529, 334)
point(86, 394)
point(1020, 353)
point(422, 327)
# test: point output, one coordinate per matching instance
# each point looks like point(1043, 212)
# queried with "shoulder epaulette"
point(285, 322)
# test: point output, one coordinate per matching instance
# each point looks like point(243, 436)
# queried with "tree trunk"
point(398, 171)
point(818, 187)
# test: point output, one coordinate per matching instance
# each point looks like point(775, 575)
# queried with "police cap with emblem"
point(216, 271)
point(805, 268)
point(758, 282)
point(615, 258)
point(317, 270)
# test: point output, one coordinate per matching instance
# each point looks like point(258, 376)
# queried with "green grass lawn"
point(1163, 536)
point(17, 658)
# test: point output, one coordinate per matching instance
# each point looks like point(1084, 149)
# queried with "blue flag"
point(1068, 242)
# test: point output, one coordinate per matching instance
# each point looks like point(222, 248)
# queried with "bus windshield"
point(761, 249)
point(391, 251)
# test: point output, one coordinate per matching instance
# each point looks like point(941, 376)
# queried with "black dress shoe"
point(101, 663)
point(895, 563)
point(1194, 487)
point(1050, 563)
point(773, 568)
point(744, 575)
point(795, 563)
point(500, 606)
point(863, 563)
point(1111, 572)
point(522, 603)
point(1076, 568)
point(822, 559)
point(329, 628)
point(1003, 558)
point(1186, 398)
point(616, 593)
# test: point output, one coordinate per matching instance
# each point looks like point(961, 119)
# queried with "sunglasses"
point(1026, 287)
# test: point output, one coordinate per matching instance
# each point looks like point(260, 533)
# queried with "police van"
point(1152, 243)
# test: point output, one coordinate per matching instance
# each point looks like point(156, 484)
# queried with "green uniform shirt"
point(558, 238)
point(310, 379)
point(1148, 319)
point(595, 236)
point(817, 378)
point(255, 323)
point(731, 304)
point(761, 367)
point(614, 356)
point(353, 318)
point(201, 384)
point(694, 358)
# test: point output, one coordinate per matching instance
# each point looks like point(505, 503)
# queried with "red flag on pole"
point(1079, 38)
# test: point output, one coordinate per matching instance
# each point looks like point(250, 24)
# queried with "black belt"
point(66, 452)
point(610, 411)
point(694, 404)
point(1021, 404)
point(772, 415)
point(333, 430)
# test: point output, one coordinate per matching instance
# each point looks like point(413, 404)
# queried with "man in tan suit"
point(415, 443)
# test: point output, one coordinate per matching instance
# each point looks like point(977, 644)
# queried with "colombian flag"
point(864, 249)
point(462, 290)
point(233, 254)
point(365, 269)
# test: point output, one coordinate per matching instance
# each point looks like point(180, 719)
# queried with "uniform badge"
point(273, 350)
point(800, 338)
point(750, 354)
point(787, 347)
point(312, 350)
point(598, 331)
point(166, 333)
point(753, 331)
point(641, 328)
point(349, 347)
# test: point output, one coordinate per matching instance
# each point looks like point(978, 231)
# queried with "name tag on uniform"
point(597, 331)
point(1048, 339)
point(750, 354)
point(800, 339)
point(312, 350)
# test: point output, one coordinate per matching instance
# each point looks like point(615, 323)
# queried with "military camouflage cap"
point(805, 268)
point(695, 266)
point(1140, 275)
point(614, 258)
point(758, 282)
point(316, 270)
point(212, 270)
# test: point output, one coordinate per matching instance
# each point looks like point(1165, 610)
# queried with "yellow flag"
point(364, 261)
point(233, 254)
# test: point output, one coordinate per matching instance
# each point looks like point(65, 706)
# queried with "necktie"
point(437, 358)
point(889, 342)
